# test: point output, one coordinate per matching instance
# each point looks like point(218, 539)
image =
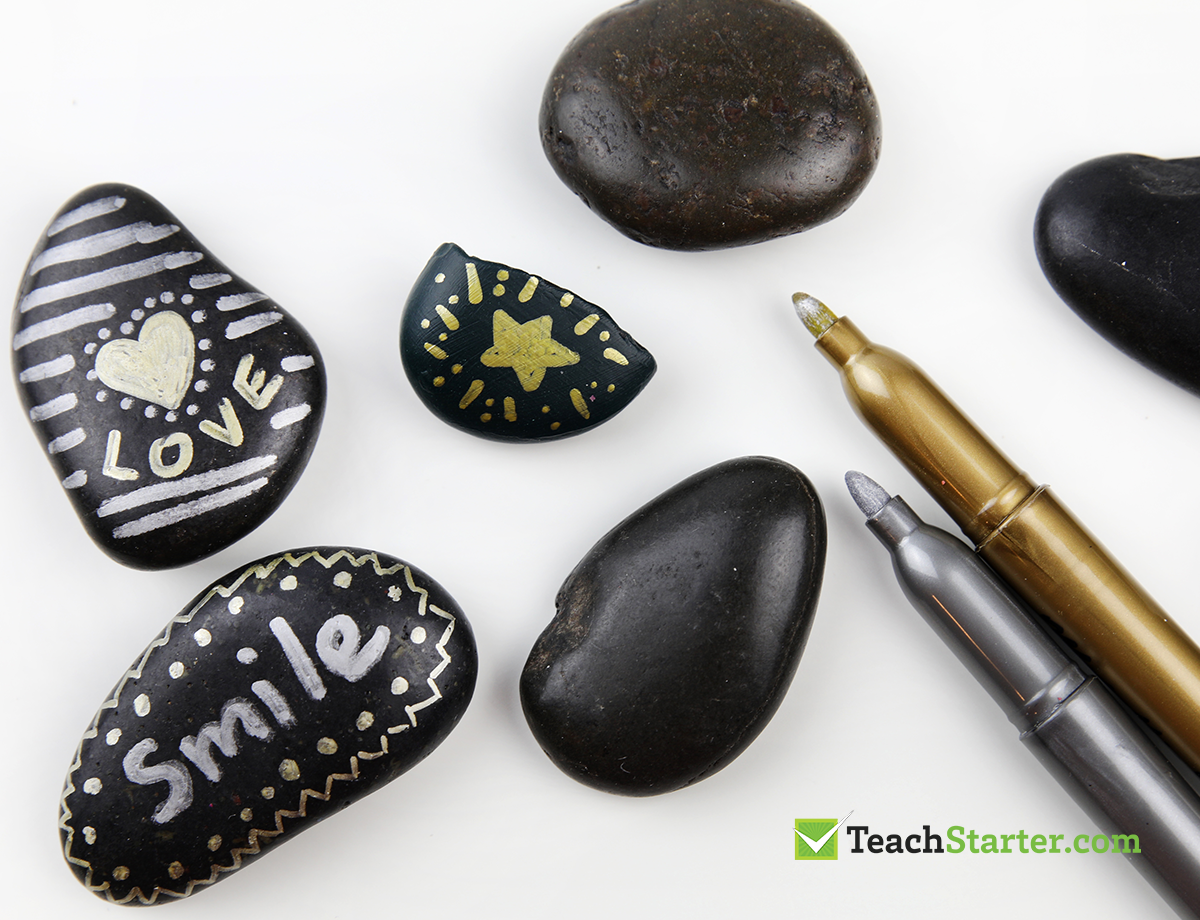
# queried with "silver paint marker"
point(1070, 721)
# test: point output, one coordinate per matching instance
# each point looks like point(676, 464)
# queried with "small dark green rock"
point(701, 124)
point(506, 355)
point(677, 635)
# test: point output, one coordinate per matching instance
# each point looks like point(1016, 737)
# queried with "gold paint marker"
point(1021, 530)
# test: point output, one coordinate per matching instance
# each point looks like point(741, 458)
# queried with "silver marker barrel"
point(1070, 721)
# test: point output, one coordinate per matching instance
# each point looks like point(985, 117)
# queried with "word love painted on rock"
point(284, 692)
point(177, 404)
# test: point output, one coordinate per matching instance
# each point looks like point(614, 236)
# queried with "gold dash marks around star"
point(506, 355)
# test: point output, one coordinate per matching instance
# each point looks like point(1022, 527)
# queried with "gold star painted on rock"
point(527, 348)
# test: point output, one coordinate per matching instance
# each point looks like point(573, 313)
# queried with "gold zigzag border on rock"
point(238, 853)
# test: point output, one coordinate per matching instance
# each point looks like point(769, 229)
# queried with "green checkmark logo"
point(816, 838)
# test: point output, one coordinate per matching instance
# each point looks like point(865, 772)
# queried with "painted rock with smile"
point(285, 691)
point(677, 635)
point(507, 355)
point(178, 404)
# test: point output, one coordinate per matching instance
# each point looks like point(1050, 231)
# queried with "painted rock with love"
point(677, 635)
point(281, 694)
point(178, 404)
point(1116, 238)
point(507, 355)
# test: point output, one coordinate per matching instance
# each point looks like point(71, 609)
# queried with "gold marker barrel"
point(1024, 533)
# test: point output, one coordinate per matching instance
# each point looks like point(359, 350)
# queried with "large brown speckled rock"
point(702, 124)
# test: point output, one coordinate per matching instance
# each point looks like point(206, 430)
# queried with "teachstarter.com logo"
point(817, 838)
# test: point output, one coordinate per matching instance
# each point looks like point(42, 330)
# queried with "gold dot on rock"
point(453, 299)
point(424, 324)
point(121, 873)
point(439, 381)
point(545, 409)
point(457, 369)
point(443, 337)
point(441, 276)
point(498, 290)
point(268, 792)
point(486, 417)
point(247, 814)
point(489, 402)
point(502, 275)
point(555, 425)
point(214, 842)
point(289, 770)
point(365, 720)
point(611, 387)
point(343, 579)
point(175, 870)
point(604, 336)
point(327, 746)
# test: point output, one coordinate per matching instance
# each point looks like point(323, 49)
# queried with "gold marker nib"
point(815, 315)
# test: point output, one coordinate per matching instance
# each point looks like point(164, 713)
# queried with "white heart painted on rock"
point(157, 366)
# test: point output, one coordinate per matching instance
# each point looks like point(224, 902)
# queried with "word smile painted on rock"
point(177, 404)
point(287, 690)
point(338, 647)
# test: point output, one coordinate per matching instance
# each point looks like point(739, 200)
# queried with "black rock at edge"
point(1118, 238)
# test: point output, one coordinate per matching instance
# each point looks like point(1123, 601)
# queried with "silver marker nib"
point(869, 495)
point(815, 315)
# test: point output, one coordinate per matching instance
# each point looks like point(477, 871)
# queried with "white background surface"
point(324, 151)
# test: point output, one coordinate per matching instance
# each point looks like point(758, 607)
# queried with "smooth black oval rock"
point(1116, 238)
point(677, 635)
point(701, 124)
point(178, 405)
point(284, 692)
point(506, 355)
